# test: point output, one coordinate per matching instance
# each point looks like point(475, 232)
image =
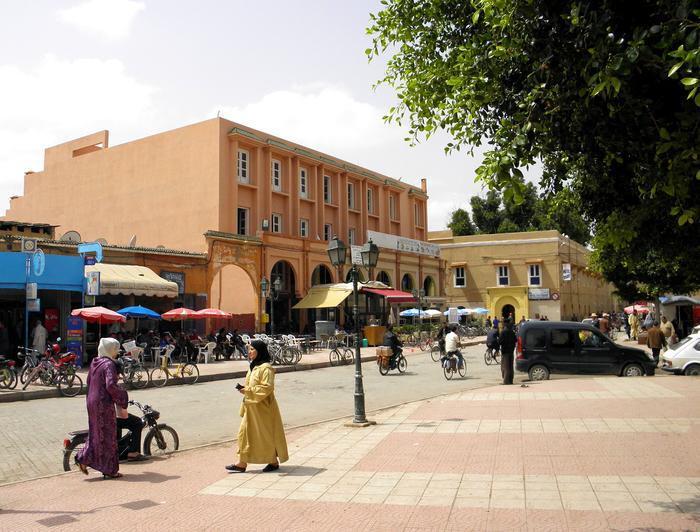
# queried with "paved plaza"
point(599, 453)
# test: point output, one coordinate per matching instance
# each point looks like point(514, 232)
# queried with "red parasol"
point(213, 313)
point(181, 313)
point(639, 308)
point(99, 315)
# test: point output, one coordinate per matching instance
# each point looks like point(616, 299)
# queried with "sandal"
point(105, 476)
point(233, 468)
point(271, 467)
point(82, 467)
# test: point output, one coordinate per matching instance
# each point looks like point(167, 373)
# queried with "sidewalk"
point(214, 371)
point(498, 458)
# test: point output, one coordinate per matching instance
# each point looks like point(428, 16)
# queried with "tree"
point(603, 94)
point(486, 212)
point(460, 223)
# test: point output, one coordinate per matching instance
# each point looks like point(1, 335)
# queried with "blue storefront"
point(59, 289)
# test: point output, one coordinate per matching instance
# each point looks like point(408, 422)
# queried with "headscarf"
point(109, 347)
point(263, 354)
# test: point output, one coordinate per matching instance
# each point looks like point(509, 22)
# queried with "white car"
point(683, 358)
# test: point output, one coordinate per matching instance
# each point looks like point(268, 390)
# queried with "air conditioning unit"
point(29, 245)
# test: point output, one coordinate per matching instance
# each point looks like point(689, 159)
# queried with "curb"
point(53, 392)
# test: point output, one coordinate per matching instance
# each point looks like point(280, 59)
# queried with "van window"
point(562, 338)
point(590, 339)
point(535, 339)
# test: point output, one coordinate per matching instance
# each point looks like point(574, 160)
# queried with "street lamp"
point(419, 294)
point(274, 292)
point(337, 253)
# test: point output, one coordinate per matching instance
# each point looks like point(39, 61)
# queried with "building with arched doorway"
point(531, 274)
point(258, 206)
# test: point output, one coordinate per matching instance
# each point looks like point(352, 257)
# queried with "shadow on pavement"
point(301, 471)
point(144, 476)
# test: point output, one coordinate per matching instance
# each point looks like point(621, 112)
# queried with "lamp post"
point(274, 291)
point(337, 253)
point(419, 294)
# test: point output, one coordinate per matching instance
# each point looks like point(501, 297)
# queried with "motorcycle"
point(160, 439)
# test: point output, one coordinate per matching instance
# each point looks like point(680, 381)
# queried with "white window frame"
point(243, 166)
point(392, 207)
point(303, 227)
point(370, 201)
point(351, 236)
point(276, 223)
point(531, 269)
point(327, 231)
point(327, 189)
point(246, 223)
point(351, 195)
point(276, 172)
point(303, 183)
point(502, 270)
point(460, 274)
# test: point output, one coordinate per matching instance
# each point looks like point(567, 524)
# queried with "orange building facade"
point(256, 205)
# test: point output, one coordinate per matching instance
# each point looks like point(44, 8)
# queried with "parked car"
point(683, 358)
point(546, 347)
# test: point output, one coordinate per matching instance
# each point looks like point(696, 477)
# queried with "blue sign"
point(91, 247)
point(61, 272)
point(74, 338)
point(90, 261)
point(38, 263)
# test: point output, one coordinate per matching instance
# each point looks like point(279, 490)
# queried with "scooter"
point(160, 439)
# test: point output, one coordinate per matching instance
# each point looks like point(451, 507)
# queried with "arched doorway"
point(383, 277)
point(321, 275)
point(285, 320)
point(407, 284)
point(507, 311)
point(429, 287)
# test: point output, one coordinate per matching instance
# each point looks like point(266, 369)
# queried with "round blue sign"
point(38, 262)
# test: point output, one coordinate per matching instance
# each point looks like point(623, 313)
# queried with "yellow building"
point(522, 273)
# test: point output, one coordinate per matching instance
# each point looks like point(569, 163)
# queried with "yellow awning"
point(323, 297)
point(132, 280)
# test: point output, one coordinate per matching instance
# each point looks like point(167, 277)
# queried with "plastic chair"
point(206, 352)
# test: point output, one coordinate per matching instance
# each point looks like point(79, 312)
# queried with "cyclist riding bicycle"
point(452, 346)
point(441, 335)
point(492, 339)
point(391, 340)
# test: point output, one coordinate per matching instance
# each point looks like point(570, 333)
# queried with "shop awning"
point(392, 296)
point(132, 280)
point(323, 297)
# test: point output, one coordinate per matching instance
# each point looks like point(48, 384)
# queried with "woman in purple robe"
point(100, 451)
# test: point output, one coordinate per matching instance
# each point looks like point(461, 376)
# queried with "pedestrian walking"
point(655, 340)
point(103, 394)
point(628, 329)
point(507, 341)
point(668, 330)
point(39, 337)
point(634, 324)
point(261, 437)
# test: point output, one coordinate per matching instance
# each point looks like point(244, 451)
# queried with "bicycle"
point(436, 351)
point(8, 374)
point(341, 355)
point(492, 356)
point(59, 373)
point(451, 365)
point(387, 363)
point(31, 360)
point(133, 373)
point(188, 372)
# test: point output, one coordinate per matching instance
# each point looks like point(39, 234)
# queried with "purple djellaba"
point(103, 393)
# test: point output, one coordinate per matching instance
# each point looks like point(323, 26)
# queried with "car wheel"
point(692, 370)
point(538, 372)
point(633, 370)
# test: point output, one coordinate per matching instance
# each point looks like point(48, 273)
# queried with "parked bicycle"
point(60, 373)
point(161, 439)
point(187, 372)
point(283, 351)
point(8, 374)
point(133, 373)
point(340, 354)
point(451, 364)
point(31, 359)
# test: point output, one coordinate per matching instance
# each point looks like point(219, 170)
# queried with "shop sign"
point(93, 283)
point(398, 243)
point(31, 290)
point(453, 315)
point(38, 263)
point(176, 277)
point(538, 293)
point(90, 261)
point(33, 305)
point(51, 319)
point(566, 271)
point(356, 255)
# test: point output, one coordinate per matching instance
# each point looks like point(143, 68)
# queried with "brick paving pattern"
point(556, 455)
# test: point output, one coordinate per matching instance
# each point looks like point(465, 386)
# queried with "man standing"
point(604, 323)
point(655, 340)
point(507, 340)
point(667, 329)
point(39, 337)
point(634, 324)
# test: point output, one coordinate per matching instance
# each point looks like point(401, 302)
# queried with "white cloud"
point(321, 116)
point(111, 19)
point(59, 100)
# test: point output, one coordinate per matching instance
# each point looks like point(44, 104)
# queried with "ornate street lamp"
point(369, 253)
point(274, 291)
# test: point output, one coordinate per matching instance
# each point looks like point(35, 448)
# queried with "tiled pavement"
point(557, 455)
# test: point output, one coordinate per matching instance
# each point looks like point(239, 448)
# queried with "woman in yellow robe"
point(261, 437)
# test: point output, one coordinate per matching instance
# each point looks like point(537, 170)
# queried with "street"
point(208, 412)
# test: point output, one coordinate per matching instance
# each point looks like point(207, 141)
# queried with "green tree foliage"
point(604, 94)
point(461, 223)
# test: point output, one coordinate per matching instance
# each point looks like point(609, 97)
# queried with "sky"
point(295, 69)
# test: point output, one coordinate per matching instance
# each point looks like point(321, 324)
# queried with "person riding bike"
point(441, 335)
point(452, 346)
point(492, 339)
point(391, 340)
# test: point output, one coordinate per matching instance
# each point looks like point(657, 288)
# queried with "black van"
point(546, 347)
